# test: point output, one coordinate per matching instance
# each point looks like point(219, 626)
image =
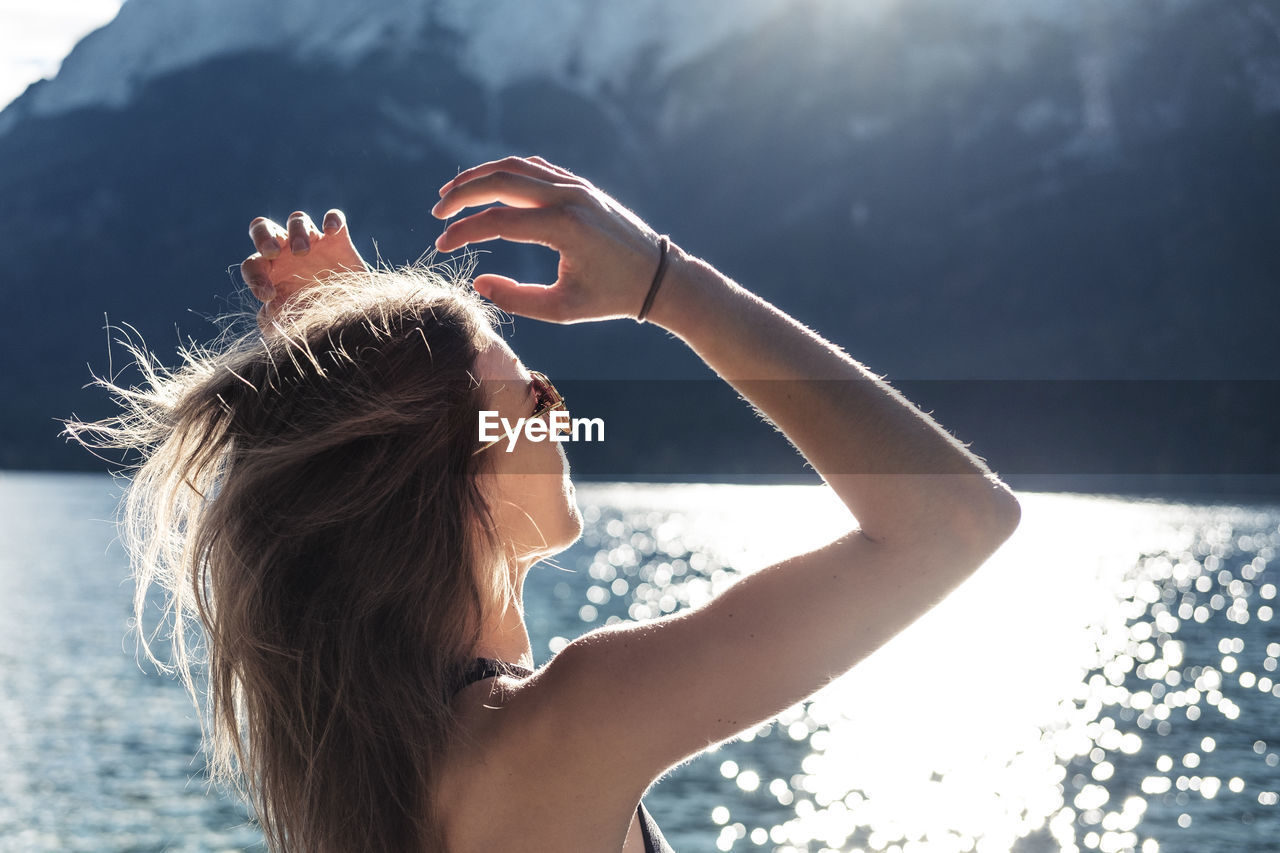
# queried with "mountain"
point(951, 190)
point(583, 44)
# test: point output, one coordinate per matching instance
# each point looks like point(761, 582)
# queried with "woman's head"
point(314, 498)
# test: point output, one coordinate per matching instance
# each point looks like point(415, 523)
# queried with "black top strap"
point(654, 842)
point(482, 668)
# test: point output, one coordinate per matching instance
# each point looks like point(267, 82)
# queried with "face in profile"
point(529, 489)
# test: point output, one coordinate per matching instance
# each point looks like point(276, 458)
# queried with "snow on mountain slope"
point(585, 42)
point(594, 46)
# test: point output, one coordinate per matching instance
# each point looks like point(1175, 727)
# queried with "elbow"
point(977, 521)
point(1011, 517)
point(987, 520)
point(998, 517)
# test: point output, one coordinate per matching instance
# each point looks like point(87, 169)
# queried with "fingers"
point(544, 226)
point(273, 275)
point(267, 237)
point(532, 167)
point(559, 170)
point(527, 300)
point(535, 212)
point(507, 187)
point(301, 231)
point(334, 221)
point(256, 272)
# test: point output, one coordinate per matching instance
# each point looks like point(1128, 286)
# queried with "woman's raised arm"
point(895, 468)
point(634, 699)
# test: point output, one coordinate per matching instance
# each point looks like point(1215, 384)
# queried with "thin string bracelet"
point(663, 243)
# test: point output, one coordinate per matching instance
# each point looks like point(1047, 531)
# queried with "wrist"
point(684, 295)
point(664, 256)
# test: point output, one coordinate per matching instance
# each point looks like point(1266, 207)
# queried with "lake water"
point(1108, 681)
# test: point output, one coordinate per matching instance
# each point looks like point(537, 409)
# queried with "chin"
point(577, 523)
point(567, 531)
point(572, 510)
point(571, 529)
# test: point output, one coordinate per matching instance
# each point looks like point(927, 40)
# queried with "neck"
point(506, 638)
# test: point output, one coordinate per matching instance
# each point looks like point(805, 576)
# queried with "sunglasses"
point(546, 398)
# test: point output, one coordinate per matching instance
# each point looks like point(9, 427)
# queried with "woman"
point(320, 497)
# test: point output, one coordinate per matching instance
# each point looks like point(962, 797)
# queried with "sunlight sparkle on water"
point(1042, 698)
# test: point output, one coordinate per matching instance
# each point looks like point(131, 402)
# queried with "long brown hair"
point(312, 499)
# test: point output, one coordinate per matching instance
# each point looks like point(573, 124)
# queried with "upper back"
point(499, 787)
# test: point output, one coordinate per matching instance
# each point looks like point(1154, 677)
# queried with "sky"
point(36, 34)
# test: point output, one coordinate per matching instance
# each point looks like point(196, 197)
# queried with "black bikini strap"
point(482, 668)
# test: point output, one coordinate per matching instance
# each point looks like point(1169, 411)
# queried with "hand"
point(607, 255)
point(289, 259)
